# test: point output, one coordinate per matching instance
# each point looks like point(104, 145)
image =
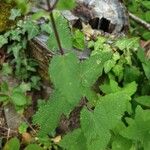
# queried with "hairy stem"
point(54, 25)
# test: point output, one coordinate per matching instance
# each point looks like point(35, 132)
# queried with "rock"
point(13, 119)
point(107, 15)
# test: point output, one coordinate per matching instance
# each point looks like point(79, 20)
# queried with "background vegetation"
point(102, 102)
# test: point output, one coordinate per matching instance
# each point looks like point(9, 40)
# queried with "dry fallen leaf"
point(87, 30)
point(26, 138)
point(56, 139)
point(146, 46)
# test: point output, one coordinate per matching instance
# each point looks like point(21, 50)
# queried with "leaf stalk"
point(54, 25)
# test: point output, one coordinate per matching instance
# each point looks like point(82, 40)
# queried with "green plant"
point(23, 128)
point(14, 144)
point(22, 5)
point(106, 126)
point(23, 66)
point(63, 30)
point(16, 95)
point(140, 8)
point(114, 81)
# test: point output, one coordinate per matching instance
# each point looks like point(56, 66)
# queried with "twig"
point(140, 21)
point(4, 128)
point(8, 134)
point(54, 25)
point(29, 125)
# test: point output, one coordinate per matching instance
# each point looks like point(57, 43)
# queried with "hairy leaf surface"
point(139, 127)
point(66, 73)
point(74, 141)
point(96, 126)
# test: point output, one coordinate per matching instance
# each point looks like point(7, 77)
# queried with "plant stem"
point(54, 25)
point(140, 21)
point(54, 5)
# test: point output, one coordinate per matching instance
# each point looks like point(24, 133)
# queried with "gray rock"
point(111, 13)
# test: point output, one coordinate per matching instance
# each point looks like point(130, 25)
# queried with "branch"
point(54, 25)
point(140, 21)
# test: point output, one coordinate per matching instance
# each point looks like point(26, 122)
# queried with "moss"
point(5, 23)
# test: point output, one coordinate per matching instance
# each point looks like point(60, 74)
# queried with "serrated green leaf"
point(145, 62)
point(3, 40)
point(46, 28)
point(100, 45)
point(48, 114)
point(40, 14)
point(141, 55)
point(146, 69)
point(116, 56)
point(145, 88)
point(139, 127)
point(120, 143)
point(6, 69)
point(146, 4)
point(23, 128)
point(15, 34)
point(113, 87)
point(15, 48)
point(19, 98)
point(144, 100)
point(78, 40)
point(130, 88)
point(105, 117)
point(14, 14)
point(120, 126)
point(110, 87)
point(24, 87)
point(106, 88)
point(118, 70)
point(146, 35)
point(107, 107)
point(35, 82)
point(127, 43)
point(109, 65)
point(96, 136)
point(31, 28)
point(92, 68)
point(64, 73)
point(74, 141)
point(90, 94)
point(131, 73)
